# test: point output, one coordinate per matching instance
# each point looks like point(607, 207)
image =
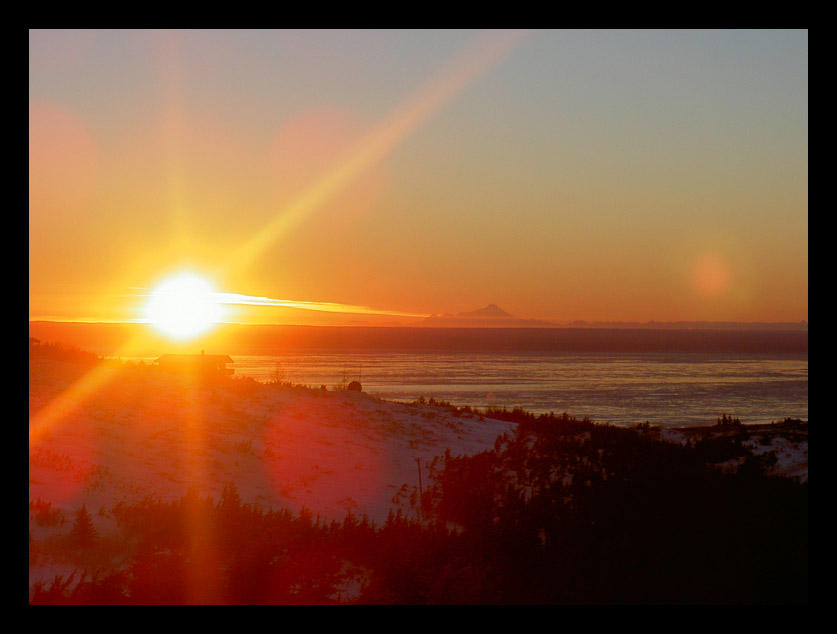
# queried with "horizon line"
point(545, 325)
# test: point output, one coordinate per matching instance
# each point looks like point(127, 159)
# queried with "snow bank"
point(147, 434)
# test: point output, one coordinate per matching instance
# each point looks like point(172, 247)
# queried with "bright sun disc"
point(183, 306)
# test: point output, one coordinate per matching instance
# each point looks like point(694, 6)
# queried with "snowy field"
point(145, 433)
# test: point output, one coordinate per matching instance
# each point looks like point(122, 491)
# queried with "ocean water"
point(667, 389)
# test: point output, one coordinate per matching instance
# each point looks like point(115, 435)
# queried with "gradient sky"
point(594, 175)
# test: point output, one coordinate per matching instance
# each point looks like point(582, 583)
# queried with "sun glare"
point(183, 306)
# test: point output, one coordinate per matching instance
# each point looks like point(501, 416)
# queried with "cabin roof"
point(206, 358)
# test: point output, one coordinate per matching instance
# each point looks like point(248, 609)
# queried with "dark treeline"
point(560, 511)
point(55, 351)
point(263, 339)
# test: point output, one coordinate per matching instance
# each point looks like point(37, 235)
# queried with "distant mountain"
point(492, 310)
point(491, 316)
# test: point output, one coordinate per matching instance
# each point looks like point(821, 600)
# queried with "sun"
point(183, 306)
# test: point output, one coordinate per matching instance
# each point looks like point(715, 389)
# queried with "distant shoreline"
point(105, 338)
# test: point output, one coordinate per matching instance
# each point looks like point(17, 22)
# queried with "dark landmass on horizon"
point(108, 338)
point(492, 316)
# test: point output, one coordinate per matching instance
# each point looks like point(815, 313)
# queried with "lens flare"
point(711, 275)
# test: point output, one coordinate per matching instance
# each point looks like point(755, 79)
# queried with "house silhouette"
point(203, 364)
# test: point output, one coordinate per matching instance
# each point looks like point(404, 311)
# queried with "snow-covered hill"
point(146, 433)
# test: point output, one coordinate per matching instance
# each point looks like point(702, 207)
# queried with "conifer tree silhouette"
point(83, 532)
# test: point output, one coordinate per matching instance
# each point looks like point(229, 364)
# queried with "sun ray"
point(474, 61)
point(63, 405)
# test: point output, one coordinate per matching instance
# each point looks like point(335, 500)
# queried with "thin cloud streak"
point(328, 307)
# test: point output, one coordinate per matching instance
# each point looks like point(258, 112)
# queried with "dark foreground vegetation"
point(561, 511)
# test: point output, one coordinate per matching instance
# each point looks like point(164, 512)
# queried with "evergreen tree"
point(83, 532)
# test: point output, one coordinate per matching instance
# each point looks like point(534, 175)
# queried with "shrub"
point(43, 513)
point(725, 420)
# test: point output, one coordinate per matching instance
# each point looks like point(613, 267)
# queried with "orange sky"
point(561, 175)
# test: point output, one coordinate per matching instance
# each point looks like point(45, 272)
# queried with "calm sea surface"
point(662, 388)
